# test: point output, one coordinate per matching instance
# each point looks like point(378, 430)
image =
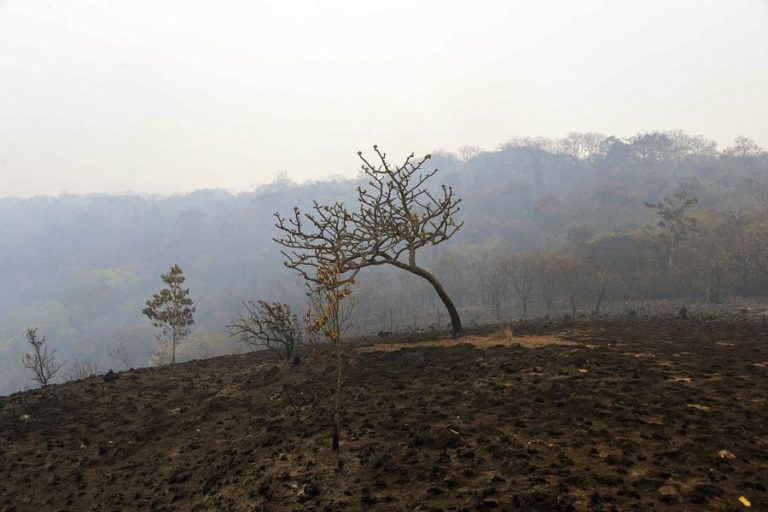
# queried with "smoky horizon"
point(147, 98)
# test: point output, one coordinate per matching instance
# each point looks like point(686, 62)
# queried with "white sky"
point(174, 95)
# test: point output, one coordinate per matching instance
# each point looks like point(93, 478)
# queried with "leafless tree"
point(747, 246)
point(466, 152)
point(121, 354)
point(719, 253)
point(325, 319)
point(540, 143)
point(325, 257)
point(83, 368)
point(396, 216)
point(547, 276)
point(581, 145)
point(522, 271)
point(601, 279)
point(494, 281)
point(378, 301)
point(268, 324)
point(691, 146)
point(574, 279)
point(744, 147)
point(41, 362)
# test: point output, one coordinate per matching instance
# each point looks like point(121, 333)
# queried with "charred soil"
point(659, 414)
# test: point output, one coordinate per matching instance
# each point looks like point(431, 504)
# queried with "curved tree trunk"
point(452, 311)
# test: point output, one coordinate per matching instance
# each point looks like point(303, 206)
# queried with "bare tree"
point(121, 354)
point(522, 271)
point(581, 145)
point(747, 246)
point(378, 301)
point(494, 281)
point(396, 216)
point(83, 368)
point(171, 310)
point(691, 146)
point(467, 152)
point(41, 362)
point(718, 252)
point(540, 143)
point(573, 278)
point(326, 261)
point(268, 324)
point(547, 276)
point(325, 319)
point(744, 147)
point(602, 278)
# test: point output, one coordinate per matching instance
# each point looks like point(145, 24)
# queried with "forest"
point(579, 226)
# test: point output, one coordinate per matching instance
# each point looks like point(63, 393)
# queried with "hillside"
point(657, 414)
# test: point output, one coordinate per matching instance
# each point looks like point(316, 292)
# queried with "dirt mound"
point(640, 416)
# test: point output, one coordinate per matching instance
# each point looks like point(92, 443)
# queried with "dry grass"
point(502, 337)
point(504, 334)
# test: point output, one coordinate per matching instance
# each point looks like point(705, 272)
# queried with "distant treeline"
point(572, 215)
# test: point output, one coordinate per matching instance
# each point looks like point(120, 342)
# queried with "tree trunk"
point(599, 301)
point(713, 285)
point(718, 284)
point(447, 302)
point(337, 399)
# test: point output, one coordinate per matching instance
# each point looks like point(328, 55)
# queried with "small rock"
point(726, 454)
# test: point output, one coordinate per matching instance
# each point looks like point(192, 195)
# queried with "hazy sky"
point(174, 95)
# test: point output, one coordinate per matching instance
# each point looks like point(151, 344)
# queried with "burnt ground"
point(614, 415)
